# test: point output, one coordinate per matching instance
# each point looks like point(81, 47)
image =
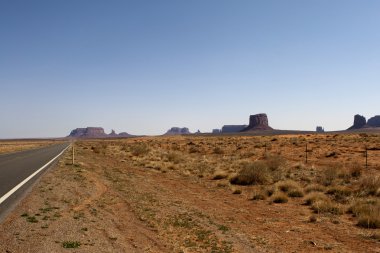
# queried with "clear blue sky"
point(145, 66)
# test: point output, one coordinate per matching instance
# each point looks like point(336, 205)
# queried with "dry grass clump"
point(252, 173)
point(236, 191)
point(292, 188)
point(218, 150)
point(259, 195)
point(340, 193)
point(367, 211)
point(313, 197)
point(263, 192)
point(329, 175)
point(139, 149)
point(355, 169)
point(327, 206)
point(287, 185)
point(296, 193)
point(175, 157)
point(314, 188)
point(219, 174)
point(274, 162)
point(279, 197)
point(369, 185)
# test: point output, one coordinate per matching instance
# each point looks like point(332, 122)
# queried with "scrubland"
point(206, 194)
point(8, 146)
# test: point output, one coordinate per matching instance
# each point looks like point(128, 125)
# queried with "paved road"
point(19, 170)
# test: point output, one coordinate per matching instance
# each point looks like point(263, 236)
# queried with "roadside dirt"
point(9, 146)
point(109, 202)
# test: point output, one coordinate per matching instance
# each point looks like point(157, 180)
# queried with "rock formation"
point(374, 121)
point(233, 128)
point(320, 129)
point(359, 122)
point(258, 122)
point(124, 134)
point(89, 132)
point(216, 131)
point(113, 133)
point(177, 131)
point(95, 132)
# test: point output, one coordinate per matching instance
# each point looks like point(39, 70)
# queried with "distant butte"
point(258, 122)
point(177, 131)
point(95, 132)
point(360, 122)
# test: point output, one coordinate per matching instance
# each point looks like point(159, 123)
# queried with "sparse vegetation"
point(279, 197)
point(139, 149)
point(370, 185)
point(314, 197)
point(182, 188)
point(252, 173)
point(367, 211)
point(71, 244)
point(219, 174)
point(326, 206)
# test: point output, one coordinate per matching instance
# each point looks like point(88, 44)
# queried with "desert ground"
point(205, 194)
point(7, 146)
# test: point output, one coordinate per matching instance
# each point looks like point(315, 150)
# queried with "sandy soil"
point(117, 199)
point(7, 146)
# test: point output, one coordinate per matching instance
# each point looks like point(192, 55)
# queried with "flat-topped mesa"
point(177, 131)
point(89, 132)
point(95, 132)
point(359, 122)
point(374, 121)
point(258, 122)
point(233, 128)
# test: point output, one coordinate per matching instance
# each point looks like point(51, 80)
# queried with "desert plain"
point(227, 193)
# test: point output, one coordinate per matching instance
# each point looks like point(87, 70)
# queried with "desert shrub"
point(279, 197)
point(218, 150)
point(287, 185)
point(367, 211)
point(269, 190)
point(312, 219)
point(199, 168)
point(355, 169)
point(96, 150)
point(252, 173)
point(70, 244)
point(125, 147)
point(340, 193)
point(193, 150)
point(326, 206)
point(139, 149)
point(259, 195)
point(175, 157)
point(362, 206)
point(296, 193)
point(236, 191)
point(219, 174)
point(313, 197)
point(329, 174)
point(274, 162)
point(314, 188)
point(292, 188)
point(369, 185)
point(247, 155)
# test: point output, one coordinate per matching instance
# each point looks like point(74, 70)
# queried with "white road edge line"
point(8, 194)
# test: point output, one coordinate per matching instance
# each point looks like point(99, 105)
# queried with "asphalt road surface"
point(18, 171)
